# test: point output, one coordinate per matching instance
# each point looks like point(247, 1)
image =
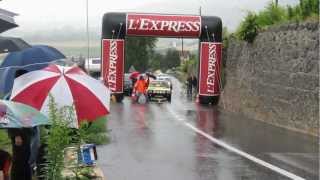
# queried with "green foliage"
point(274, 14)
point(309, 8)
point(164, 62)
point(60, 136)
point(189, 67)
point(95, 133)
point(155, 61)
point(4, 140)
point(57, 139)
point(248, 29)
point(225, 37)
point(139, 51)
point(171, 59)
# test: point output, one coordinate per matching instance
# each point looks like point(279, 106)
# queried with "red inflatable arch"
point(116, 26)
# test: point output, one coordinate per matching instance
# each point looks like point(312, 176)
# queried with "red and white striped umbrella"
point(69, 86)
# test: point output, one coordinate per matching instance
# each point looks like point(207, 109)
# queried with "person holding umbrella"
point(140, 88)
point(134, 77)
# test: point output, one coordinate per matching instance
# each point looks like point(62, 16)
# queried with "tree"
point(309, 8)
point(170, 60)
point(139, 51)
point(155, 61)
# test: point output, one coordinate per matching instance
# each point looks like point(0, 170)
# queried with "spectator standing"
point(20, 138)
point(195, 83)
point(189, 86)
point(21, 148)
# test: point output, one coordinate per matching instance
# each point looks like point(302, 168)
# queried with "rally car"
point(159, 90)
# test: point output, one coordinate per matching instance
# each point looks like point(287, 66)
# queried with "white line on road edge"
point(237, 151)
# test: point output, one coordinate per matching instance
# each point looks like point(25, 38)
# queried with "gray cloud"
point(37, 16)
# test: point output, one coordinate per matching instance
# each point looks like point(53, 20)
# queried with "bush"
point(96, 133)
point(60, 136)
point(272, 14)
point(309, 8)
point(225, 37)
point(248, 29)
point(57, 139)
point(189, 66)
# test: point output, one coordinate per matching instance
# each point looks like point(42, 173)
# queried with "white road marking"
point(235, 150)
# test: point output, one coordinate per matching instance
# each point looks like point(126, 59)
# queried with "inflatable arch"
point(116, 26)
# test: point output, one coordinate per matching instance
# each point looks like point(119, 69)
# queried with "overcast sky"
point(55, 14)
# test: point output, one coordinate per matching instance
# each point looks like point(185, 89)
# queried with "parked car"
point(167, 78)
point(159, 89)
point(93, 64)
point(127, 85)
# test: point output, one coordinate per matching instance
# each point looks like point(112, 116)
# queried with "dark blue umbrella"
point(11, 44)
point(30, 59)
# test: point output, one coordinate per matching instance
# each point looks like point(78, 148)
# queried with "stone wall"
point(276, 78)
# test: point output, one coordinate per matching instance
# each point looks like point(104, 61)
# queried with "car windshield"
point(96, 61)
point(159, 84)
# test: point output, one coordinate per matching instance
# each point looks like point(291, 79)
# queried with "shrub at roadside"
point(249, 28)
point(57, 139)
point(274, 14)
point(96, 133)
point(59, 136)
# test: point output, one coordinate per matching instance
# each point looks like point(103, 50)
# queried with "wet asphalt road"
point(148, 142)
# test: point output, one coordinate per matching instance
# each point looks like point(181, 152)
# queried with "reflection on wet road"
point(148, 142)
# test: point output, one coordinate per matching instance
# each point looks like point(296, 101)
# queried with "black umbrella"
point(6, 25)
point(7, 20)
point(11, 44)
point(151, 75)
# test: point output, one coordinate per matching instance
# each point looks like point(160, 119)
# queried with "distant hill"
point(73, 41)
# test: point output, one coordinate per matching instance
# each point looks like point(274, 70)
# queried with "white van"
point(93, 65)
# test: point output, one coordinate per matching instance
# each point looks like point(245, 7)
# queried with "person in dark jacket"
point(20, 138)
point(189, 86)
point(21, 148)
point(195, 83)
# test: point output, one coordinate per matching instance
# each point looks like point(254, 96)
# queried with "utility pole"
point(182, 53)
point(88, 38)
